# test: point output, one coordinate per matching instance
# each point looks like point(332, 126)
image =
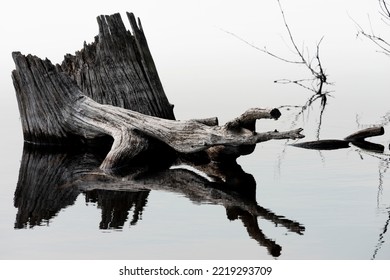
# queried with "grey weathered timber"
point(42, 100)
point(118, 69)
point(129, 130)
point(111, 88)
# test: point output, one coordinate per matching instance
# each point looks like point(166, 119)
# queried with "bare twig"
point(298, 52)
point(318, 71)
point(382, 44)
point(264, 50)
point(385, 11)
point(319, 78)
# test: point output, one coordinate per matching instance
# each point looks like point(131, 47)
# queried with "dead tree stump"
point(111, 89)
point(118, 69)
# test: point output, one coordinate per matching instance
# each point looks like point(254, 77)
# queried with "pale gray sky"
point(195, 58)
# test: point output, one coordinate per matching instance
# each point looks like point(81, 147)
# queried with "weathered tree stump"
point(111, 89)
point(118, 69)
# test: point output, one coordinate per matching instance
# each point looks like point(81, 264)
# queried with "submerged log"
point(111, 89)
point(357, 139)
point(361, 135)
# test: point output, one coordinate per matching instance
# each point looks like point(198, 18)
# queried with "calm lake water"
point(313, 204)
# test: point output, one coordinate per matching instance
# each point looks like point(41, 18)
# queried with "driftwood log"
point(111, 90)
point(103, 109)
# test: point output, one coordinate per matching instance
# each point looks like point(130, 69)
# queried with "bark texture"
point(118, 69)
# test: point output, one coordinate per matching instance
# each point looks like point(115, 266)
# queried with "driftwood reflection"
point(51, 181)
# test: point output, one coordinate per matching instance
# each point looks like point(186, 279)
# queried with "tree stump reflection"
point(116, 205)
point(51, 181)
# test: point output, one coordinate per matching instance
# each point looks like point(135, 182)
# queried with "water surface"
point(310, 204)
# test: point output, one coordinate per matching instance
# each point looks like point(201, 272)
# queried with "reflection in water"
point(41, 191)
point(383, 167)
point(116, 205)
point(384, 163)
point(45, 186)
point(252, 227)
point(304, 108)
point(381, 236)
point(51, 181)
point(363, 148)
point(318, 95)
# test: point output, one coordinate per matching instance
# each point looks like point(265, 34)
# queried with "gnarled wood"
point(78, 115)
point(111, 88)
point(183, 136)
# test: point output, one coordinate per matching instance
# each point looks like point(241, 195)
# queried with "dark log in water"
point(357, 139)
point(364, 133)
